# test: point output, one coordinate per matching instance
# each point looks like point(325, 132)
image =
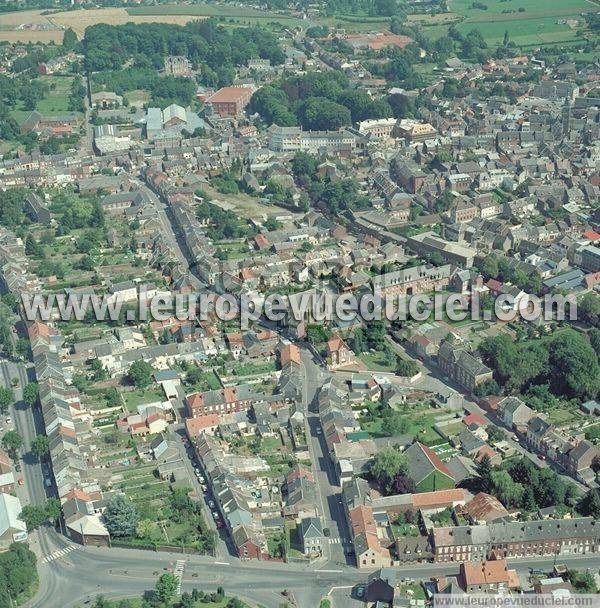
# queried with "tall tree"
point(387, 465)
point(140, 373)
point(12, 443)
point(484, 470)
point(70, 40)
point(40, 446)
point(7, 397)
point(166, 588)
point(121, 516)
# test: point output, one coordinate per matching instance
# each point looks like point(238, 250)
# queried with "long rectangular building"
point(577, 536)
point(294, 139)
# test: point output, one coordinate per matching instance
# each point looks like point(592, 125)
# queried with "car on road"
point(211, 504)
point(360, 591)
point(327, 532)
point(204, 488)
point(21, 482)
point(515, 438)
point(215, 515)
point(319, 430)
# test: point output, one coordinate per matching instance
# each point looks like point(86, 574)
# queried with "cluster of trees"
point(565, 362)
point(317, 101)
point(18, 575)
point(210, 47)
point(520, 484)
point(12, 442)
point(333, 196)
point(74, 212)
point(590, 504)
point(370, 336)
point(11, 206)
point(493, 267)
point(165, 595)
point(390, 470)
point(7, 397)
point(24, 90)
point(35, 516)
point(589, 310)
point(223, 224)
point(140, 373)
point(367, 8)
point(125, 520)
point(121, 517)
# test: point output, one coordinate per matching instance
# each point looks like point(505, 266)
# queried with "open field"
point(53, 104)
point(79, 20)
point(538, 21)
point(18, 26)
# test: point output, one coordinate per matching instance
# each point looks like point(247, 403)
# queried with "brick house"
point(339, 353)
point(492, 576)
point(577, 536)
point(462, 367)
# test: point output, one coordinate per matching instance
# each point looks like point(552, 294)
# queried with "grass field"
point(55, 103)
point(539, 22)
point(141, 397)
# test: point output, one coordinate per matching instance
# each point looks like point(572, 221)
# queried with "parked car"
point(211, 504)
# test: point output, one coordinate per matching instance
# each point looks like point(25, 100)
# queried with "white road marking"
point(58, 553)
point(179, 568)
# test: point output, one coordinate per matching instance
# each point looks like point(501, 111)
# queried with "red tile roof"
point(435, 460)
point(230, 95)
point(290, 354)
point(195, 426)
point(591, 235)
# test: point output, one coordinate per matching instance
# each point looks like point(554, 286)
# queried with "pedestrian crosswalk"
point(179, 568)
point(339, 541)
point(59, 553)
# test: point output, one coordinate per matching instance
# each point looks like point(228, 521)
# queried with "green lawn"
point(57, 101)
point(293, 540)
point(208, 382)
point(418, 593)
point(405, 530)
point(560, 416)
point(376, 362)
point(142, 396)
point(419, 423)
point(251, 369)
